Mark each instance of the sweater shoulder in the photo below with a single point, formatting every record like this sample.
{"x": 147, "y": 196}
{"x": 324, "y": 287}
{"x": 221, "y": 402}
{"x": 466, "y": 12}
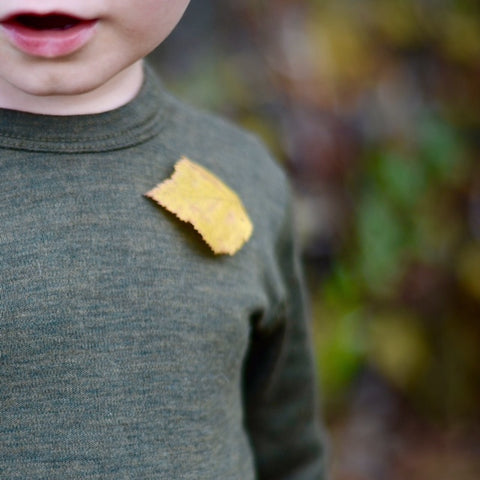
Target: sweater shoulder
{"x": 204, "y": 132}
{"x": 235, "y": 155}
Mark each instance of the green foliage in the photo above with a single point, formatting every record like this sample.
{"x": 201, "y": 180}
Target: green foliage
{"x": 380, "y": 243}
{"x": 406, "y": 216}
{"x": 340, "y": 342}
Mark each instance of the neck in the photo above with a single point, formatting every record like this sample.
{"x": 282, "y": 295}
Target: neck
{"x": 114, "y": 93}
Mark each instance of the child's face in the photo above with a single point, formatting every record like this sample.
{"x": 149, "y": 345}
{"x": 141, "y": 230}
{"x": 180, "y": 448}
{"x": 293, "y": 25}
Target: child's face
{"x": 69, "y": 47}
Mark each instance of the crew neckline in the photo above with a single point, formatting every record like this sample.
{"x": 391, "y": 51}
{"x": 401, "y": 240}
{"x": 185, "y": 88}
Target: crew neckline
{"x": 131, "y": 124}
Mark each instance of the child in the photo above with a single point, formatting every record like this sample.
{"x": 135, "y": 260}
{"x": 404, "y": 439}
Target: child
{"x": 128, "y": 350}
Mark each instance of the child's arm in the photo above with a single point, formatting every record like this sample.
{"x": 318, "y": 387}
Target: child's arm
{"x": 280, "y": 390}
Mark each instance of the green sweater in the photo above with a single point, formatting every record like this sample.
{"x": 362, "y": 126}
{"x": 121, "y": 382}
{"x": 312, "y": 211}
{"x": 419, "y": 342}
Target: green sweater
{"x": 127, "y": 349}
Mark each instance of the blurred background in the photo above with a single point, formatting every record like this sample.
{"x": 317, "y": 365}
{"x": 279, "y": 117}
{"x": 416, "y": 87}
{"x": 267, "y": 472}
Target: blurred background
{"x": 373, "y": 108}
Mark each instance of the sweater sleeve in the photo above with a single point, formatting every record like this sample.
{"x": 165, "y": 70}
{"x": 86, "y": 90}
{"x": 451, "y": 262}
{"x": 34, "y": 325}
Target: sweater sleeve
{"x": 281, "y": 411}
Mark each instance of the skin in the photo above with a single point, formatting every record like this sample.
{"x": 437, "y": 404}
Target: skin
{"x": 103, "y": 74}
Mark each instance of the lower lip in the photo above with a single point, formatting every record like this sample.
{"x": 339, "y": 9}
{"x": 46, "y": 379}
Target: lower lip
{"x": 50, "y": 43}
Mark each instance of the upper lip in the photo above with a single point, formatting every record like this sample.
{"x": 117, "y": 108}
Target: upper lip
{"x": 12, "y": 17}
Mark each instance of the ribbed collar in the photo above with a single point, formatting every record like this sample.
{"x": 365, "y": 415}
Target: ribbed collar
{"x": 131, "y": 124}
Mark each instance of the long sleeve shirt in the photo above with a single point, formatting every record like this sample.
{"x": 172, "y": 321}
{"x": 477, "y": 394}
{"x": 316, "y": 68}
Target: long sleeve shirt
{"x": 127, "y": 349}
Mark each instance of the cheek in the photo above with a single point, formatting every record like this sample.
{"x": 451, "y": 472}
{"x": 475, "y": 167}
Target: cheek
{"x": 151, "y": 21}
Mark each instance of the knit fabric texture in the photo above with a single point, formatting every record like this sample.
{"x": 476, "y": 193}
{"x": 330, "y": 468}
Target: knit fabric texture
{"x": 127, "y": 349}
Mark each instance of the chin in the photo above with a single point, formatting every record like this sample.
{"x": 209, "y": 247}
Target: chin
{"x": 69, "y": 88}
{"x": 60, "y": 86}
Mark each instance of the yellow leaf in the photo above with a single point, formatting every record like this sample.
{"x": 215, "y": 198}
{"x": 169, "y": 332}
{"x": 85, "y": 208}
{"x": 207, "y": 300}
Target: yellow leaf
{"x": 197, "y": 196}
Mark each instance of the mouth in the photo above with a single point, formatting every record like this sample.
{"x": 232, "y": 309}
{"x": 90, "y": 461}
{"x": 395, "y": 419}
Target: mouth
{"x": 48, "y": 35}
{"x": 53, "y": 21}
